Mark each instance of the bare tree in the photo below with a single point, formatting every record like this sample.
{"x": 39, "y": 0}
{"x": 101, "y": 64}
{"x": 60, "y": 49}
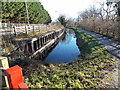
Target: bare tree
{"x": 101, "y": 20}
{"x": 118, "y": 21}
{"x": 106, "y": 10}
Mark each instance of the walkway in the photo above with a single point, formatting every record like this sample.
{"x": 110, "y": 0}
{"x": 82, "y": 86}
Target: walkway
{"x": 113, "y": 48}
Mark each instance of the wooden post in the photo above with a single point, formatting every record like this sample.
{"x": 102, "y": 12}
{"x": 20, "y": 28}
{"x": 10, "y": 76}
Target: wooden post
{"x": 14, "y": 28}
{"x": 35, "y": 45}
{"x": 29, "y": 47}
{"x": 26, "y": 29}
{"x": 3, "y": 78}
{"x": 42, "y": 41}
{"x": 33, "y": 29}
{"x": 119, "y": 21}
{"x": 119, "y": 32}
{"x": 32, "y": 45}
{"x": 39, "y": 42}
{"x": 39, "y": 28}
{"x": 46, "y": 27}
{"x": 0, "y": 79}
{"x": 4, "y": 62}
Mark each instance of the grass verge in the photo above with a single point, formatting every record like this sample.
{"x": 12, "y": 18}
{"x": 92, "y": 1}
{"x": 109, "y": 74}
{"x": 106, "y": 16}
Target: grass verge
{"x": 86, "y": 72}
{"x": 24, "y": 36}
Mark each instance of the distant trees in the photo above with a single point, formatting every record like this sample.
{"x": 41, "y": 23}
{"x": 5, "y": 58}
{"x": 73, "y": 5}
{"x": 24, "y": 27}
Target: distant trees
{"x": 103, "y": 20}
{"x": 118, "y": 8}
{"x": 62, "y": 20}
{"x": 71, "y": 22}
{"x": 118, "y": 20}
{"x": 15, "y": 12}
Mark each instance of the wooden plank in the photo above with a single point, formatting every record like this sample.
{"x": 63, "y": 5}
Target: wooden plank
{"x": 48, "y": 44}
{"x": 3, "y": 65}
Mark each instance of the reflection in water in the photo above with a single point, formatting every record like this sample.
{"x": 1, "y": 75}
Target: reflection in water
{"x": 66, "y": 51}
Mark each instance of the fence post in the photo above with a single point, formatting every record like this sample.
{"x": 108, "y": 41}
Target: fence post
{"x": 0, "y": 79}
{"x": 119, "y": 21}
{"x": 26, "y": 29}
{"x": 46, "y": 27}
{"x": 33, "y": 29}
{"x": 14, "y": 28}
{"x": 39, "y": 28}
{"x": 3, "y": 78}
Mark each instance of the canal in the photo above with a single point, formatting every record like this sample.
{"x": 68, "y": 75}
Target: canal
{"x": 66, "y": 50}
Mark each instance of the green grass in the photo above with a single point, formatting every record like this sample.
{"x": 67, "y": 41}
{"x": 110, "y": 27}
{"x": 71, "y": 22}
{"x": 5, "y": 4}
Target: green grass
{"x": 24, "y": 36}
{"x": 86, "y": 72}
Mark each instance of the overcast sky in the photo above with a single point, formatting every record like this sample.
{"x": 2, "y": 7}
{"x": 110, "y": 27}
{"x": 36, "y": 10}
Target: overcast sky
{"x": 70, "y": 8}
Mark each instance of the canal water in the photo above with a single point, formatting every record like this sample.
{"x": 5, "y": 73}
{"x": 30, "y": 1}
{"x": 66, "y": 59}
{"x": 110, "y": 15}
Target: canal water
{"x": 66, "y": 50}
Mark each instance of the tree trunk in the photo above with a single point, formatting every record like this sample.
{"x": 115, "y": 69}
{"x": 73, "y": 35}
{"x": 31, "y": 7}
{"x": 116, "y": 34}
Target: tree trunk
{"x": 119, "y": 21}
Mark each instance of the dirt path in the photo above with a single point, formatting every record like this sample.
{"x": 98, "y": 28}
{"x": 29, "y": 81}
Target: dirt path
{"x": 113, "y": 48}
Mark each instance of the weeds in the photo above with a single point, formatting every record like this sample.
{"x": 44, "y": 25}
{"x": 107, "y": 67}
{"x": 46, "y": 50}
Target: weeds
{"x": 86, "y": 72}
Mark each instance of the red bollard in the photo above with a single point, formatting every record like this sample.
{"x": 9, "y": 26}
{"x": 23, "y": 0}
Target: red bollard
{"x": 15, "y": 78}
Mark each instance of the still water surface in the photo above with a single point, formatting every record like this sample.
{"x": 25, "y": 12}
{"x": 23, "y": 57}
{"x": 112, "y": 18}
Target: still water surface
{"x": 66, "y": 50}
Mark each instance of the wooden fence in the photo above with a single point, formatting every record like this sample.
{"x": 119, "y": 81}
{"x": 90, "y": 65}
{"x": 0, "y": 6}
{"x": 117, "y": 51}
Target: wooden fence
{"x": 27, "y": 28}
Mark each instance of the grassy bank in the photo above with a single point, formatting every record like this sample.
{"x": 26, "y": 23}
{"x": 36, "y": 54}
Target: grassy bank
{"x": 87, "y": 72}
{"x": 24, "y": 36}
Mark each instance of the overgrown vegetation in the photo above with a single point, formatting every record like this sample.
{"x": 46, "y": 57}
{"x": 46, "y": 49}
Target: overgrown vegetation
{"x": 86, "y": 72}
{"x": 104, "y": 20}
{"x": 62, "y": 20}
{"x": 15, "y": 12}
